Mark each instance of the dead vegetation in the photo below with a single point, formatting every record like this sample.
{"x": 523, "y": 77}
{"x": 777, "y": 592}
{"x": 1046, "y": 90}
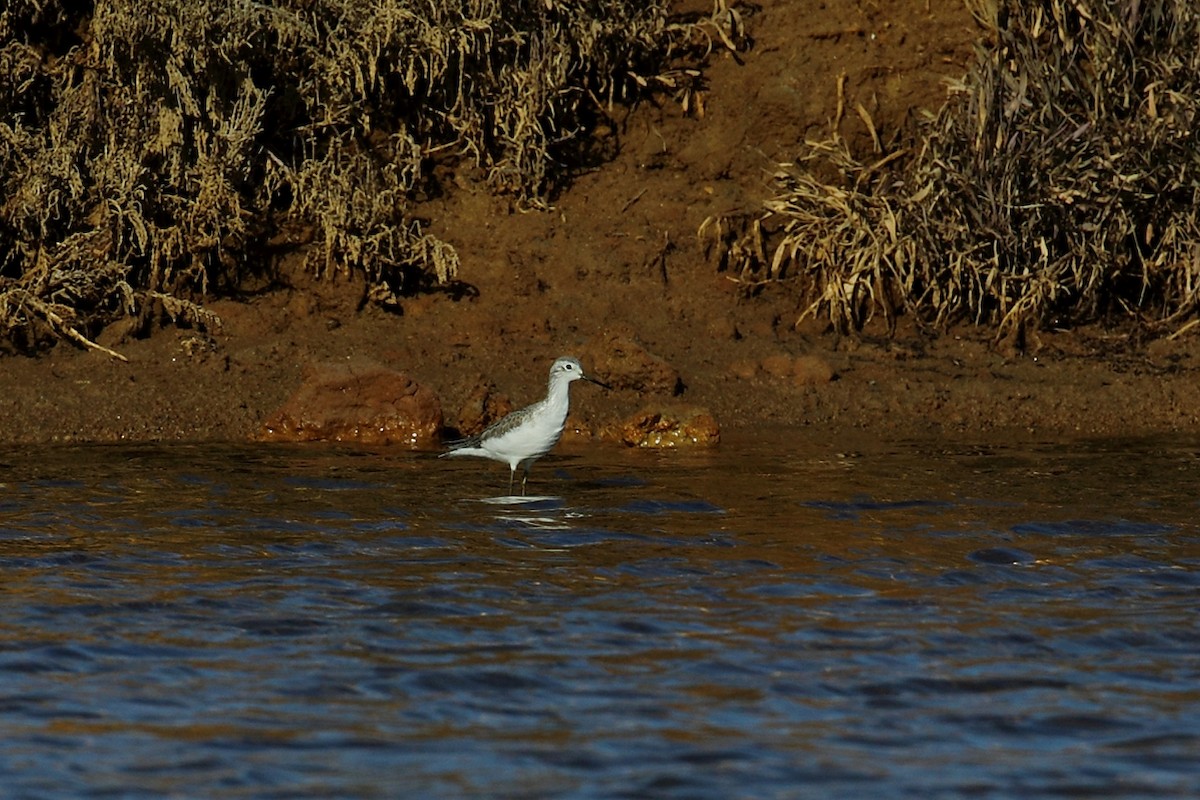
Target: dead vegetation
{"x": 154, "y": 153}
{"x": 1058, "y": 185}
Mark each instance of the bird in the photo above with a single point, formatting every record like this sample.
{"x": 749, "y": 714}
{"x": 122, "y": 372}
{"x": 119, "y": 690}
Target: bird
{"x": 527, "y": 434}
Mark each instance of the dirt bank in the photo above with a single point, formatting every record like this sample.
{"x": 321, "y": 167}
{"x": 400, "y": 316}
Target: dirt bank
{"x": 617, "y": 255}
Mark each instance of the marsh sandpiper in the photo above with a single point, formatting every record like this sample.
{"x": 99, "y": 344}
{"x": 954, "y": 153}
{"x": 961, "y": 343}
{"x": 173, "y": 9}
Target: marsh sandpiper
{"x": 528, "y": 433}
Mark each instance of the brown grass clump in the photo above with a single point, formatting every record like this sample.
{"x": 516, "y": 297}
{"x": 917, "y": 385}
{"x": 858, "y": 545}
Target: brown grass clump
{"x": 1059, "y": 184}
{"x": 153, "y": 153}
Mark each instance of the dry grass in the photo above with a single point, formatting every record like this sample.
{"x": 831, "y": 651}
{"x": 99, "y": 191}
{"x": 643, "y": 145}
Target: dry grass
{"x": 163, "y": 150}
{"x": 1059, "y": 184}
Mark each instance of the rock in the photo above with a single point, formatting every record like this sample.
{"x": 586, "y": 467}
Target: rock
{"x": 577, "y": 430}
{"x": 744, "y": 369}
{"x": 812, "y": 371}
{"x": 481, "y": 408}
{"x": 365, "y": 403}
{"x": 672, "y": 426}
{"x": 723, "y": 328}
{"x": 779, "y": 365}
{"x": 802, "y": 370}
{"x": 619, "y": 360}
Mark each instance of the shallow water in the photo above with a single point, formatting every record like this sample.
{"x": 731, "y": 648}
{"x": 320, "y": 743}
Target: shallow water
{"x": 774, "y": 619}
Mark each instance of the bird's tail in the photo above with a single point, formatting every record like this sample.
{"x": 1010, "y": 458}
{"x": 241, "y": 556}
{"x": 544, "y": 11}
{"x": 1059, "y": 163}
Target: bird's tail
{"x": 461, "y": 447}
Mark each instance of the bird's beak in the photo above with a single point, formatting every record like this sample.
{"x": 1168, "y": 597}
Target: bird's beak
{"x": 590, "y": 379}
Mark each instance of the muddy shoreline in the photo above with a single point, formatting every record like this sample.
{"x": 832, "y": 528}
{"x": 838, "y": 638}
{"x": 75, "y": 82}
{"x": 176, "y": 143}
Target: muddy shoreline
{"x": 958, "y": 387}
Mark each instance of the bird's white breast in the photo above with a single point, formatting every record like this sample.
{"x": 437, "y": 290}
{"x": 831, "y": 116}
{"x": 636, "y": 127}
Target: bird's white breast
{"x": 539, "y": 429}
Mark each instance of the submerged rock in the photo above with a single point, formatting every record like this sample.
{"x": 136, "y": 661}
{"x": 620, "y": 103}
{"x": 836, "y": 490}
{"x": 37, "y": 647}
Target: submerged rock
{"x": 671, "y": 426}
{"x": 365, "y": 403}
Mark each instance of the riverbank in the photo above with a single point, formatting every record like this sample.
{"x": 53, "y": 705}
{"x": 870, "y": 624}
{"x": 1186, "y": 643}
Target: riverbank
{"x": 616, "y": 263}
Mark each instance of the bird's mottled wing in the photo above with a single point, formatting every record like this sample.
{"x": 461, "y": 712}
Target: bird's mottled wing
{"x": 496, "y": 429}
{"x": 505, "y": 423}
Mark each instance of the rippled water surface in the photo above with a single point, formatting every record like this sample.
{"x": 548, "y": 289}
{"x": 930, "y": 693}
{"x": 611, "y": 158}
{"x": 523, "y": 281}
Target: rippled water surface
{"x": 775, "y": 619}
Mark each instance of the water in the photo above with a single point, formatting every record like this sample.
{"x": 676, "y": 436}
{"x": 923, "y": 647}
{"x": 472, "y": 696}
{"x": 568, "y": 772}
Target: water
{"x": 775, "y": 619}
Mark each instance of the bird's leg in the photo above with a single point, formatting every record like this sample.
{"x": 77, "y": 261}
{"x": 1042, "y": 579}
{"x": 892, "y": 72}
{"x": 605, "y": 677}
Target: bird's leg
{"x": 524, "y": 480}
{"x": 511, "y": 474}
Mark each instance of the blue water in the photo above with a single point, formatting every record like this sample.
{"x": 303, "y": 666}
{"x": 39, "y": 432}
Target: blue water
{"x": 775, "y": 619}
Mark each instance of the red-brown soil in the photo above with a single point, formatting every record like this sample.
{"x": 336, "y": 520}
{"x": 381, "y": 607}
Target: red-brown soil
{"x": 617, "y": 257}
